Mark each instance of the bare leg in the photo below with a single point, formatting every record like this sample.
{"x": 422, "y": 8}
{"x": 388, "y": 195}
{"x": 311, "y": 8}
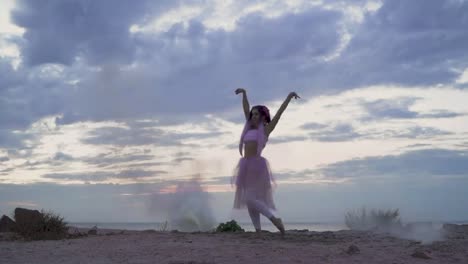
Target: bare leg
{"x": 255, "y": 216}
{"x": 279, "y": 224}
{"x": 259, "y": 207}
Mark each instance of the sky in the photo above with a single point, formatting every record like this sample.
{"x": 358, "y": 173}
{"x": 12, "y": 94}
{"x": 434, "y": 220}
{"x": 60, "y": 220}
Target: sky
{"x": 106, "y": 107}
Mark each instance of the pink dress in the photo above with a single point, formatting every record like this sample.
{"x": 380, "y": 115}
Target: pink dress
{"x": 252, "y": 175}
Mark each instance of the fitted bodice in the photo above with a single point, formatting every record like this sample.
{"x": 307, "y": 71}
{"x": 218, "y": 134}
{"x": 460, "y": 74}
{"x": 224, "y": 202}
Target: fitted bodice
{"x": 251, "y": 135}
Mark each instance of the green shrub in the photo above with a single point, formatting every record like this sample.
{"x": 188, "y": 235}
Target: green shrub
{"x": 230, "y": 226}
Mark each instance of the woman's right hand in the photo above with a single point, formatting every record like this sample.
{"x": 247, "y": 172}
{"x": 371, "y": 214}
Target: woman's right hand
{"x": 240, "y": 90}
{"x": 293, "y": 95}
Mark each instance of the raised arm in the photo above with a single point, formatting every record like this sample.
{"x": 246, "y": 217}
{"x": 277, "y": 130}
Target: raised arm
{"x": 271, "y": 126}
{"x": 245, "y": 102}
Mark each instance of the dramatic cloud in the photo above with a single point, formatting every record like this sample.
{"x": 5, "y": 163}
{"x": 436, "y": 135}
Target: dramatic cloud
{"x": 407, "y": 42}
{"x": 59, "y": 32}
{"x": 103, "y": 176}
{"x": 260, "y": 51}
{"x": 400, "y": 109}
{"x": 125, "y": 91}
{"x": 340, "y": 132}
{"x": 418, "y": 164}
{"x": 142, "y": 136}
{"x": 347, "y": 132}
{"x": 279, "y": 140}
{"x": 108, "y": 159}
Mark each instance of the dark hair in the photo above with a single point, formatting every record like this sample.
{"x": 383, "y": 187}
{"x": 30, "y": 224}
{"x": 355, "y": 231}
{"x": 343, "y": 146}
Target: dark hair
{"x": 263, "y": 110}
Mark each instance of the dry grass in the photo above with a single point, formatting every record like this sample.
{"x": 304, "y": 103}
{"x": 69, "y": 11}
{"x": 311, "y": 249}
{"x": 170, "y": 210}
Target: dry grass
{"x": 377, "y": 220}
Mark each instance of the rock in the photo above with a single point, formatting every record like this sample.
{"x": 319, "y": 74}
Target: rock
{"x": 420, "y": 254}
{"x": 93, "y": 231}
{"x": 353, "y": 249}
{"x": 298, "y": 230}
{"x": 7, "y": 224}
{"x": 28, "y": 221}
{"x": 77, "y": 234}
{"x": 455, "y": 228}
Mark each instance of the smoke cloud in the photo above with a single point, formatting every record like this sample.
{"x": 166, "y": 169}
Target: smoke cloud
{"x": 187, "y": 206}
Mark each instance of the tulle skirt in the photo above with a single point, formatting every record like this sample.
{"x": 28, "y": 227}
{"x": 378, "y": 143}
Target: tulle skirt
{"x": 252, "y": 176}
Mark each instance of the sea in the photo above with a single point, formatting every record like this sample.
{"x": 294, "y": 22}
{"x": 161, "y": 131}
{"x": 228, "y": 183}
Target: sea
{"x": 318, "y": 227}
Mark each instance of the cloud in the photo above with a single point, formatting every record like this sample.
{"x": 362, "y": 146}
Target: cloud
{"x": 62, "y": 156}
{"x": 120, "y": 136}
{"x": 60, "y": 32}
{"x": 399, "y": 108}
{"x": 111, "y": 159}
{"x": 137, "y": 136}
{"x": 406, "y": 43}
{"x": 286, "y": 139}
{"x": 261, "y": 45}
{"x": 417, "y": 164}
{"x": 81, "y": 29}
{"x": 412, "y": 132}
{"x": 11, "y": 140}
{"x": 39, "y": 92}
{"x": 334, "y": 133}
{"x": 110, "y": 73}
{"x": 103, "y": 176}
{"x": 337, "y": 132}
{"x": 312, "y": 126}
{"x": 8, "y": 76}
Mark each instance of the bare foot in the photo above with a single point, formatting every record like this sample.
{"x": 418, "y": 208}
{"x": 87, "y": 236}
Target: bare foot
{"x": 279, "y": 224}
{"x": 258, "y": 233}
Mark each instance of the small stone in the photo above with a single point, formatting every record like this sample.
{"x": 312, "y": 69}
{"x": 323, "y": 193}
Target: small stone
{"x": 93, "y": 231}
{"x": 420, "y": 254}
{"x": 353, "y": 249}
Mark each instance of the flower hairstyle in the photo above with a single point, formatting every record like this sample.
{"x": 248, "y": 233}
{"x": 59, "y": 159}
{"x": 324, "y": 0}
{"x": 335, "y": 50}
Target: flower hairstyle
{"x": 261, "y": 138}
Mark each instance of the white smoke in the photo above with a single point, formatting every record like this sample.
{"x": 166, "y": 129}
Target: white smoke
{"x": 190, "y": 209}
{"x": 388, "y": 221}
{"x": 186, "y": 207}
{"x": 424, "y": 232}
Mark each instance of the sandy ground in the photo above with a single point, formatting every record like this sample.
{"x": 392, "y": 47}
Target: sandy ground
{"x": 114, "y": 246}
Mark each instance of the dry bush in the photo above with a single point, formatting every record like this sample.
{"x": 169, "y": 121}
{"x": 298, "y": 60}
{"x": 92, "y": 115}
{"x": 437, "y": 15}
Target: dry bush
{"x": 49, "y": 226}
{"x": 377, "y": 220}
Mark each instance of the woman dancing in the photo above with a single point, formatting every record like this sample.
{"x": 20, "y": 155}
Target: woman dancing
{"x": 253, "y": 176}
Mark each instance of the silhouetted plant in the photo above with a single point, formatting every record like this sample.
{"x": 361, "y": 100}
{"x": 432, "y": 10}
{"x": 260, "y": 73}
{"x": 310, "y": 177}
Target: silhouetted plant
{"x": 163, "y": 226}
{"x": 49, "y": 226}
{"x": 379, "y": 220}
{"x": 230, "y": 226}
